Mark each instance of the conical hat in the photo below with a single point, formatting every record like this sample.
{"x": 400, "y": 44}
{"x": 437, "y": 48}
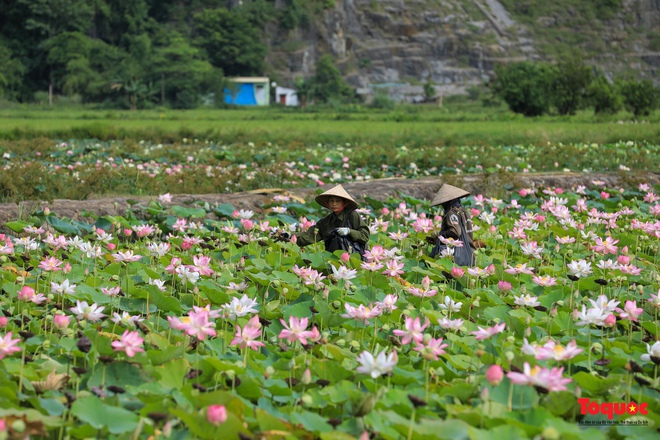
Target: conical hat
{"x": 337, "y": 191}
{"x": 448, "y": 192}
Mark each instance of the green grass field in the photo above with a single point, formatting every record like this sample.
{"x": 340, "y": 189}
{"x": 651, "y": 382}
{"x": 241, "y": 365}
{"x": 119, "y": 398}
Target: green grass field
{"x": 412, "y": 126}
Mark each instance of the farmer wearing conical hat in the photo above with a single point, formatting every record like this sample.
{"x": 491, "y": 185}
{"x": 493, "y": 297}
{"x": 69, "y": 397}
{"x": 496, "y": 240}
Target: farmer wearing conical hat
{"x": 456, "y": 224}
{"x": 343, "y": 221}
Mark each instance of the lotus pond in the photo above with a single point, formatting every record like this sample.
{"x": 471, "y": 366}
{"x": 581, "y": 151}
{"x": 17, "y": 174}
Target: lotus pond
{"x": 193, "y": 322}
{"x": 83, "y": 169}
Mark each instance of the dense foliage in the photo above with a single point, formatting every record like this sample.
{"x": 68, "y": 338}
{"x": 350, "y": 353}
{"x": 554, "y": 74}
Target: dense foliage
{"x": 534, "y": 89}
{"x": 134, "y": 53}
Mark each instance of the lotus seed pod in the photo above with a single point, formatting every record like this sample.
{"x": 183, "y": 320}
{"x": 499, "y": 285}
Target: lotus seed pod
{"x": 46, "y": 344}
{"x": 528, "y": 320}
{"x": 325, "y": 334}
{"x": 476, "y": 302}
{"x": 510, "y": 339}
{"x": 341, "y": 342}
{"x": 355, "y": 345}
{"x": 3, "y": 258}
{"x": 18, "y": 425}
{"x": 336, "y": 304}
{"x": 230, "y": 374}
{"x": 276, "y": 283}
{"x": 597, "y": 348}
{"x": 269, "y": 371}
{"x": 560, "y": 303}
{"x": 386, "y": 327}
{"x": 427, "y": 337}
{"x": 550, "y": 433}
{"x": 439, "y": 372}
{"x": 307, "y": 399}
{"x": 509, "y": 356}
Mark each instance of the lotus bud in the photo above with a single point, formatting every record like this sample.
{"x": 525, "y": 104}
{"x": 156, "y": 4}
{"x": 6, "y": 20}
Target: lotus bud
{"x": 355, "y": 345}
{"x": 306, "y": 377}
{"x": 509, "y": 356}
{"x": 3, "y": 321}
{"x": 426, "y": 283}
{"x": 553, "y": 312}
{"x": 216, "y": 414}
{"x": 610, "y": 321}
{"x": 597, "y": 348}
{"x": 484, "y": 394}
{"x": 269, "y": 371}
{"x": 307, "y": 399}
{"x": 494, "y": 375}
{"x": 528, "y": 332}
{"x": 427, "y": 338}
{"x": 276, "y": 283}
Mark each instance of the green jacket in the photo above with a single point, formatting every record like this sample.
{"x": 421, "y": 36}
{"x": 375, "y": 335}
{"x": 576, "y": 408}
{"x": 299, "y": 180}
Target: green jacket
{"x": 321, "y": 231}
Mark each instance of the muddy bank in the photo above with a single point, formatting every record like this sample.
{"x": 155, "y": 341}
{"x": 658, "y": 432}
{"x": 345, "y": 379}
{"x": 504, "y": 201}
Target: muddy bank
{"x": 493, "y": 185}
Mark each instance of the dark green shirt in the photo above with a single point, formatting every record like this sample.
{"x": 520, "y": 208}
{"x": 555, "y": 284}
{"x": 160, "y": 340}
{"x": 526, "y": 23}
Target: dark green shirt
{"x": 321, "y": 231}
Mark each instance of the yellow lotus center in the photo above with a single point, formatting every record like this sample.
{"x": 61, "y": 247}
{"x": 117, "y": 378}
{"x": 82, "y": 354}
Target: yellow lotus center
{"x": 528, "y": 298}
{"x": 559, "y": 349}
{"x": 185, "y": 319}
{"x": 534, "y": 371}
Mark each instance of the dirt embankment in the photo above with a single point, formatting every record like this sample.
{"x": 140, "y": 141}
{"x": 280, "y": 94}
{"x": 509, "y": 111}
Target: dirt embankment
{"x": 493, "y": 185}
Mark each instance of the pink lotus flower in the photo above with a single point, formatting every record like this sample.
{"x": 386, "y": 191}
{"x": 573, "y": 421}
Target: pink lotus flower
{"x": 130, "y": 343}
{"x": 450, "y": 324}
{"x": 545, "y": 280}
{"x": 504, "y": 286}
{"x": 361, "y": 313}
{"x": 388, "y": 304}
{"x": 8, "y": 345}
{"x": 50, "y": 264}
{"x": 216, "y": 414}
{"x": 393, "y": 268}
{"x": 482, "y": 334}
{"x": 126, "y": 257}
{"x": 248, "y": 335}
{"x": 457, "y": 272}
{"x": 296, "y": 330}
{"x": 518, "y": 269}
{"x": 432, "y": 349}
{"x": 414, "y": 331}
{"x": 199, "y": 325}
{"x": 90, "y": 312}
{"x": 630, "y": 311}
{"x": 552, "y": 350}
{"x": 551, "y": 380}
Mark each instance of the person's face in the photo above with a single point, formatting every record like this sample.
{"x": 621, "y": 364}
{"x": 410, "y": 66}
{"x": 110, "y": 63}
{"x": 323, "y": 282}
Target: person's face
{"x": 336, "y": 204}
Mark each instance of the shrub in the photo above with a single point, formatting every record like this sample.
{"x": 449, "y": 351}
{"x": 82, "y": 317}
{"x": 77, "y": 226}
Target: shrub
{"x": 525, "y": 87}
{"x": 639, "y": 96}
{"x": 603, "y": 96}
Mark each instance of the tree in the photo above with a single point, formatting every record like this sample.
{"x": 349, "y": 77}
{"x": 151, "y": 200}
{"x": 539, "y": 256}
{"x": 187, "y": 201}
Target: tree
{"x": 303, "y": 91}
{"x": 11, "y": 74}
{"x": 603, "y": 95}
{"x": 569, "y": 84}
{"x": 185, "y": 74}
{"x": 328, "y": 83}
{"x": 525, "y": 87}
{"x": 231, "y": 42}
{"x": 429, "y": 92}
{"x": 639, "y": 96}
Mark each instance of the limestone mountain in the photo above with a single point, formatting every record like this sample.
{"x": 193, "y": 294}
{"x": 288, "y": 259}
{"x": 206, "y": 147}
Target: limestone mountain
{"x": 454, "y": 44}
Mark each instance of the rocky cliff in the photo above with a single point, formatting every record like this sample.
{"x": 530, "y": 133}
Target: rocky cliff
{"x": 455, "y": 44}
